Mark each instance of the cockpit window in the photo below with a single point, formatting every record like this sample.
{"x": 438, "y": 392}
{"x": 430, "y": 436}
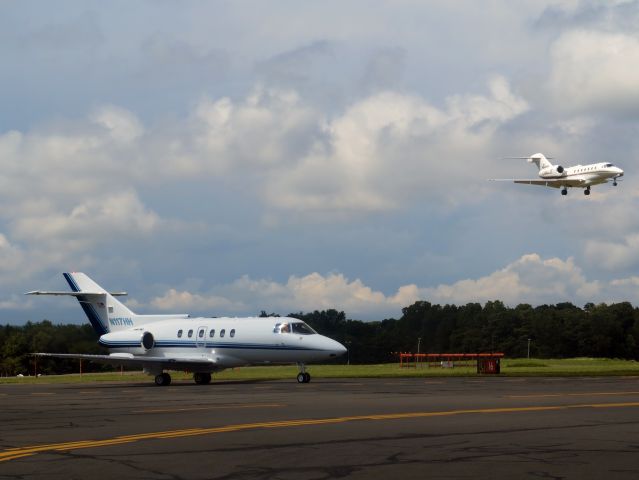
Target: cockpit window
{"x": 609, "y": 165}
{"x": 302, "y": 329}
{"x": 299, "y": 328}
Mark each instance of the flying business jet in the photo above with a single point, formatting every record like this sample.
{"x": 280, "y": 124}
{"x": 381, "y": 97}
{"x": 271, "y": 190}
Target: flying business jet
{"x": 200, "y": 345}
{"x": 556, "y": 176}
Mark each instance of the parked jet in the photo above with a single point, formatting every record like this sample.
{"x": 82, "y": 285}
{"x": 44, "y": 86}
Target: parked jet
{"x": 200, "y": 345}
{"x": 556, "y": 176}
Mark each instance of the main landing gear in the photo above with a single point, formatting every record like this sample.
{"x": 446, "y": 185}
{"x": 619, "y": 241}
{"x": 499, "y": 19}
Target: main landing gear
{"x": 303, "y": 376}
{"x": 202, "y": 378}
{"x": 163, "y": 380}
{"x": 587, "y": 191}
{"x": 564, "y": 191}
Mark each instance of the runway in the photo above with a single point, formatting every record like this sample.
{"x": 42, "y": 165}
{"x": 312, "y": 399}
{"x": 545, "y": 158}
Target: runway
{"x": 479, "y": 427}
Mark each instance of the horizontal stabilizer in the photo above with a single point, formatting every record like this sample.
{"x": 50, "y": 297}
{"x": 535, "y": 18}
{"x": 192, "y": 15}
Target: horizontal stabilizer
{"x": 76, "y": 294}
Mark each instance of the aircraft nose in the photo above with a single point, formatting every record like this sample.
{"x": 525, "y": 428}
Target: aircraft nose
{"x": 337, "y": 349}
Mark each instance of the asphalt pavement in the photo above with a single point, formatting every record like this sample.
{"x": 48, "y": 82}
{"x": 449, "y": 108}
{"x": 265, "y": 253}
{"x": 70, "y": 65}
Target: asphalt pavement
{"x": 475, "y": 428}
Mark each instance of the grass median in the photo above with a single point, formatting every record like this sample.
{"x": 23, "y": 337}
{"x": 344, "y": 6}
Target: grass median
{"x": 509, "y": 367}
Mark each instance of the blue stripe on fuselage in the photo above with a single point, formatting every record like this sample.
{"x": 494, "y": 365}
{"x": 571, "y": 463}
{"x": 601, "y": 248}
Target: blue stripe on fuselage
{"x": 171, "y": 344}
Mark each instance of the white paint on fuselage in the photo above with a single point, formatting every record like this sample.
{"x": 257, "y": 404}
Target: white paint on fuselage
{"x": 592, "y": 174}
{"x": 245, "y": 341}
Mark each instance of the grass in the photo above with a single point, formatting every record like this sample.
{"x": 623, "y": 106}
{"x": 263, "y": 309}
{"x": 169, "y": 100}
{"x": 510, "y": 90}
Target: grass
{"x": 509, "y": 367}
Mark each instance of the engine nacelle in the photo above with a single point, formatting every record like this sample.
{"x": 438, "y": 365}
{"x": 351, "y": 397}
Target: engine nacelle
{"x": 134, "y": 341}
{"x": 148, "y": 342}
{"x": 552, "y": 172}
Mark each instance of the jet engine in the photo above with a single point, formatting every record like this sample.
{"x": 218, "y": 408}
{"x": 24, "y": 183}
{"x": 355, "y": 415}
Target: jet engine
{"x": 133, "y": 341}
{"x": 554, "y": 171}
{"x": 148, "y": 342}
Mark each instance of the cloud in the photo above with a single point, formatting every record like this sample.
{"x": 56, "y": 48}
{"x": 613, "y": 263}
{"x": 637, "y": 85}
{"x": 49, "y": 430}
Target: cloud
{"x": 380, "y": 152}
{"x": 595, "y": 71}
{"x": 530, "y": 279}
{"x": 122, "y": 126}
{"x": 90, "y": 222}
{"x": 390, "y": 147}
{"x": 174, "y": 300}
{"x": 614, "y": 255}
{"x": 307, "y": 293}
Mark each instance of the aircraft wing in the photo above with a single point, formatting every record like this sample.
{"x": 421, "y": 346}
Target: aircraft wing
{"x": 130, "y": 360}
{"x": 554, "y": 183}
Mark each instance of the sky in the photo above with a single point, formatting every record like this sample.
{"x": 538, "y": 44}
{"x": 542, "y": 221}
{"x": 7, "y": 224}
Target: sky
{"x": 228, "y": 157}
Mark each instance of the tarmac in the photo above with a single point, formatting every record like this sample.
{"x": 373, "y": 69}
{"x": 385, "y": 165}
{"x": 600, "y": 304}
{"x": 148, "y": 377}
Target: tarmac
{"x": 476, "y": 428}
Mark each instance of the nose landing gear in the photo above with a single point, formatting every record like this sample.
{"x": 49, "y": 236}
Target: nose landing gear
{"x": 564, "y": 191}
{"x": 303, "y": 376}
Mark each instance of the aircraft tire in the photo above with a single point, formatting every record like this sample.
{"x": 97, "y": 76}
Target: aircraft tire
{"x": 307, "y": 377}
{"x": 301, "y": 377}
{"x": 202, "y": 378}
{"x": 564, "y": 192}
{"x": 163, "y": 379}
{"x": 587, "y": 191}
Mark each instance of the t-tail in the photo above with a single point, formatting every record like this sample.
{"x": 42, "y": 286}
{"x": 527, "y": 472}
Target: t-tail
{"x": 104, "y": 311}
{"x": 540, "y": 160}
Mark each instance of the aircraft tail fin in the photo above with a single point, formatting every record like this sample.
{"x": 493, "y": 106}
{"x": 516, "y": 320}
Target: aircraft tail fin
{"x": 103, "y": 310}
{"x": 540, "y": 160}
{"x": 105, "y": 313}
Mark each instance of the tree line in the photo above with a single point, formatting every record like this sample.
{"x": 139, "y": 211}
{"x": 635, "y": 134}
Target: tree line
{"x": 549, "y": 331}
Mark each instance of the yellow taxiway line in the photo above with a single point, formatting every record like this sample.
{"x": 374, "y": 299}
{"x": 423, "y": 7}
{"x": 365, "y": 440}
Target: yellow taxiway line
{"x": 570, "y": 394}
{"x": 209, "y": 407}
{"x": 21, "y": 452}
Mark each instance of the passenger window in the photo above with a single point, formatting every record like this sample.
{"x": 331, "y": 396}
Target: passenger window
{"x": 212, "y": 333}
{"x": 276, "y": 329}
{"x": 201, "y": 333}
{"x": 190, "y": 333}
{"x": 222, "y": 332}
{"x": 232, "y": 333}
{"x": 179, "y": 333}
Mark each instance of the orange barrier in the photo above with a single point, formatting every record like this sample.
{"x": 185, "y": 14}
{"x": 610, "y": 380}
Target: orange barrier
{"x": 486, "y": 362}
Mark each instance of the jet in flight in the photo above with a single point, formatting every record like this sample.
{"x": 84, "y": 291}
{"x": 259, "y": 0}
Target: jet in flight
{"x": 556, "y": 176}
{"x": 201, "y": 345}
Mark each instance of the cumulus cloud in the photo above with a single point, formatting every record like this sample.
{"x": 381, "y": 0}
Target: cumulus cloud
{"x": 530, "y": 279}
{"x": 614, "y": 255}
{"x": 390, "y": 147}
{"x": 307, "y": 293}
{"x": 90, "y": 222}
{"x": 122, "y": 126}
{"x": 175, "y": 300}
{"x": 595, "y": 71}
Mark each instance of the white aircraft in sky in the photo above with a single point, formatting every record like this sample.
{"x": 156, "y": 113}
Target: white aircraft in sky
{"x": 556, "y": 176}
{"x": 200, "y": 345}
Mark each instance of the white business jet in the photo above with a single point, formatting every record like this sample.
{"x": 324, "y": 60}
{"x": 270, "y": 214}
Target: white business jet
{"x": 200, "y": 345}
{"x": 556, "y": 176}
